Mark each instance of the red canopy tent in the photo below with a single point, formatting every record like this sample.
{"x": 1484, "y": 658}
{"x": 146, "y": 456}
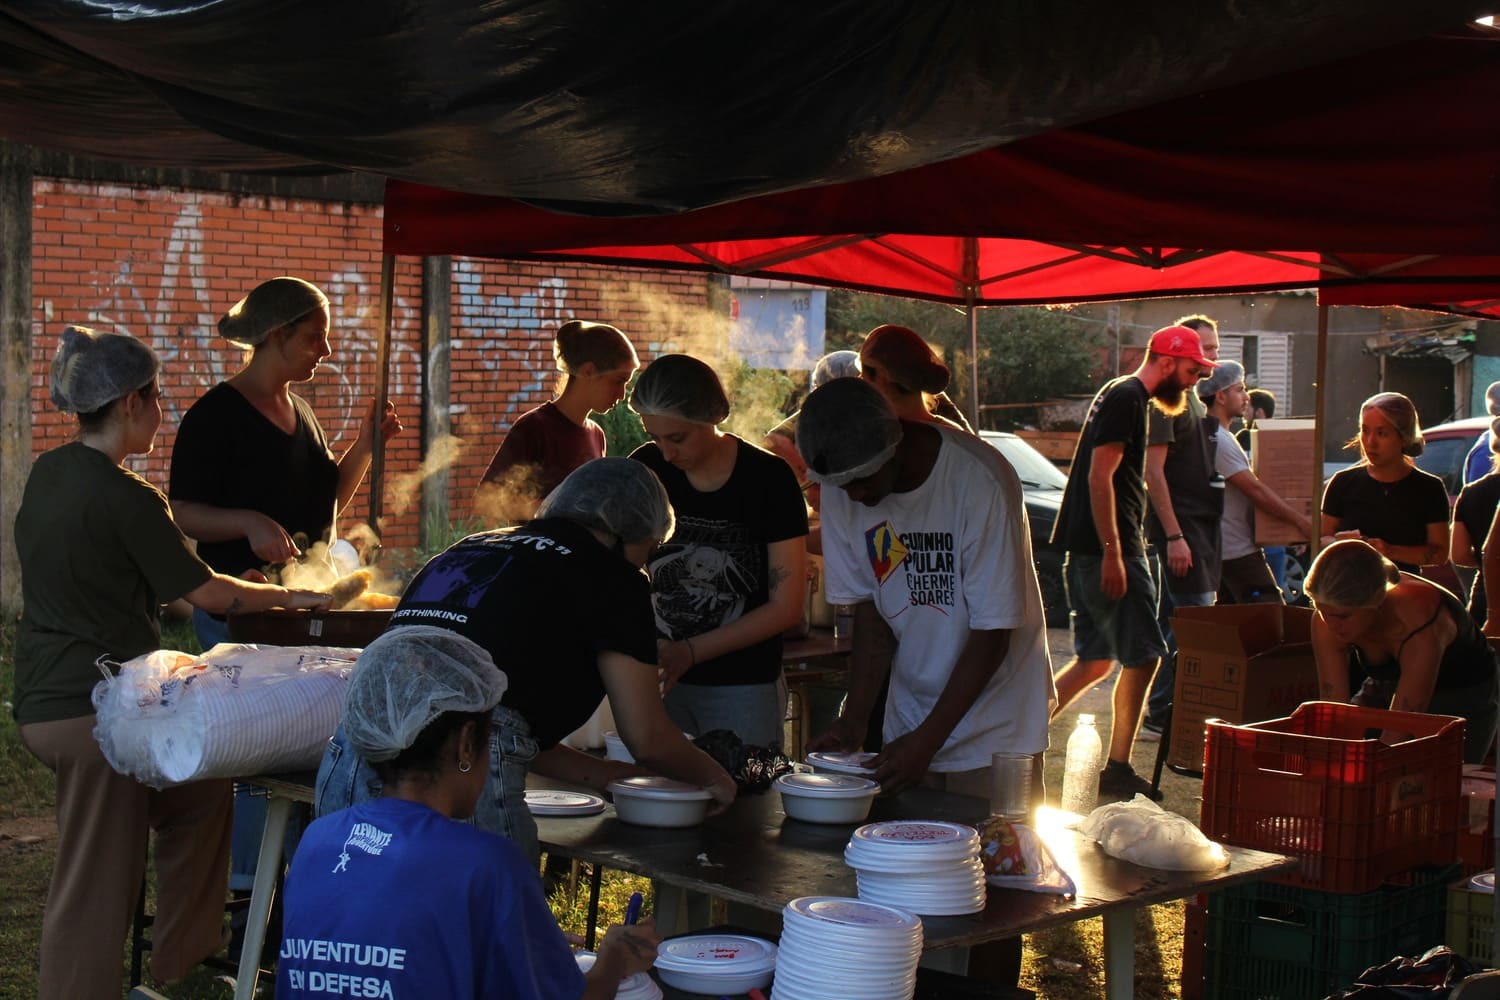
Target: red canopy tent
{"x": 1373, "y": 178}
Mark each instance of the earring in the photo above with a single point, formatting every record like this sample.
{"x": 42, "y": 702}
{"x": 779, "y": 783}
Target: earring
{"x": 464, "y": 767}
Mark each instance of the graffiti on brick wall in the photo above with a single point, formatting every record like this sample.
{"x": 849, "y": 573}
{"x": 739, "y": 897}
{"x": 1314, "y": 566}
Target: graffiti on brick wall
{"x": 170, "y": 302}
{"x": 509, "y": 333}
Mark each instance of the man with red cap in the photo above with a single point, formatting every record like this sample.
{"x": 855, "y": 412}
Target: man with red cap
{"x": 1101, "y": 527}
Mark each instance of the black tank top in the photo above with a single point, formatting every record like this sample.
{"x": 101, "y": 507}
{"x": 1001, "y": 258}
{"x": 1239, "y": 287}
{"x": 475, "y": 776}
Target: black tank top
{"x": 1466, "y": 661}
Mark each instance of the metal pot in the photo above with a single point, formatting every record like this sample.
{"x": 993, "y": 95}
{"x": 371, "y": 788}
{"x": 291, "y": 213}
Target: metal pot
{"x": 355, "y": 629}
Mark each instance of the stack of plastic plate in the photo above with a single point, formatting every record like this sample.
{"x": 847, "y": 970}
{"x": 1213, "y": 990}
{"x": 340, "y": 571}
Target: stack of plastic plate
{"x": 636, "y": 987}
{"x": 716, "y": 964}
{"x": 836, "y": 946}
{"x": 557, "y": 802}
{"x": 924, "y": 866}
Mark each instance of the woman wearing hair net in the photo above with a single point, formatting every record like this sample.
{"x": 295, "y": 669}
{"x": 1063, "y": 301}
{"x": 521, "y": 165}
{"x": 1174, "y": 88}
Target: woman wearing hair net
{"x": 251, "y": 466}
{"x": 1385, "y": 499}
{"x": 1395, "y": 640}
{"x": 99, "y": 555}
{"x": 910, "y": 374}
{"x": 545, "y": 444}
{"x": 471, "y": 921}
{"x": 732, "y": 578}
{"x": 562, "y": 605}
{"x": 252, "y": 469}
{"x": 781, "y": 440}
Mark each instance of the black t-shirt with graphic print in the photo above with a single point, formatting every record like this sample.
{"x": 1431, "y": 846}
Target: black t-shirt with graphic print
{"x": 714, "y": 567}
{"x": 545, "y": 599}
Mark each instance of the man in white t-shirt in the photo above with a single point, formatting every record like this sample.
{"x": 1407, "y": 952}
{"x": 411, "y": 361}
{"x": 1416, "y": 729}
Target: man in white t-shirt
{"x": 927, "y": 537}
{"x": 1245, "y": 577}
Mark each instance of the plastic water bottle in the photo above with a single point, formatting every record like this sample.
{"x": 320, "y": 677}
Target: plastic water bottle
{"x": 1080, "y": 789}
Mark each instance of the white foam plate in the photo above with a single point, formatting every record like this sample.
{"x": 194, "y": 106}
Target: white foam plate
{"x": 556, "y": 802}
{"x": 1483, "y": 882}
{"x": 714, "y": 953}
{"x": 857, "y": 763}
{"x": 917, "y": 838}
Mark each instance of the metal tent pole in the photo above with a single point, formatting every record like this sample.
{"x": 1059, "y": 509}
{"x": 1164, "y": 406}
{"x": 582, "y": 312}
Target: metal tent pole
{"x": 382, "y": 388}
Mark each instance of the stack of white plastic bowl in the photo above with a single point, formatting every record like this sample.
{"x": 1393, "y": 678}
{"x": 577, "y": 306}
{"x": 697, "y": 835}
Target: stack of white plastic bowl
{"x": 925, "y": 866}
{"x": 716, "y": 964}
{"x": 639, "y": 986}
{"x": 848, "y": 947}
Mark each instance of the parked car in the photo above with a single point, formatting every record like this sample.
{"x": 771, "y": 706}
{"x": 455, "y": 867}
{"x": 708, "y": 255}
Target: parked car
{"x": 1043, "y": 484}
{"x": 1447, "y": 445}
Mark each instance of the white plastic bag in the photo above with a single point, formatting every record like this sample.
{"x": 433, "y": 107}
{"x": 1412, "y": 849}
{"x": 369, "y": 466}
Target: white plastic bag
{"x": 1143, "y": 833}
{"x": 169, "y": 717}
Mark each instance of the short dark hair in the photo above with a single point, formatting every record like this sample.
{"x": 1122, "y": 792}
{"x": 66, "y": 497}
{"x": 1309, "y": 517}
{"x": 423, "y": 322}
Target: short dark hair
{"x": 1263, "y": 400}
{"x": 424, "y": 757}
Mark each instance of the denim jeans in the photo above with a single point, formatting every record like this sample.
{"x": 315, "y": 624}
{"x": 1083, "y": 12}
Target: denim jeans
{"x": 344, "y": 779}
{"x": 1162, "y": 688}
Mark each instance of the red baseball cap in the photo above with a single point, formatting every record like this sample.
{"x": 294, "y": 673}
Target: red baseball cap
{"x": 1179, "y": 342}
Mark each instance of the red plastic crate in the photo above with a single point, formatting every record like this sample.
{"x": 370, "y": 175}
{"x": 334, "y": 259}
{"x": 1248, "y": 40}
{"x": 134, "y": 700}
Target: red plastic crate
{"x": 1319, "y": 785}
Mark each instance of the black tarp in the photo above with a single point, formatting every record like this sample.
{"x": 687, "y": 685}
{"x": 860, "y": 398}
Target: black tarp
{"x": 617, "y": 108}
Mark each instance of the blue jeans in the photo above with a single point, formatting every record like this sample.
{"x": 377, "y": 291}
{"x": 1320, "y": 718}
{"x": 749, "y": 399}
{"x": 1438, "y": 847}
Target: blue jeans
{"x": 344, "y": 779}
{"x": 755, "y": 713}
{"x": 1163, "y": 686}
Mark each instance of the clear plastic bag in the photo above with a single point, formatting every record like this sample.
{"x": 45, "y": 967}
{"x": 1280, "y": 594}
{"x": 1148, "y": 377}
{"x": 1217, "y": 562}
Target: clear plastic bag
{"x": 168, "y": 717}
{"x": 1143, "y": 833}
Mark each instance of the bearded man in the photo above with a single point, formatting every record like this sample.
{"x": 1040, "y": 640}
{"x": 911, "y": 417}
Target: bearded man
{"x": 1101, "y": 527}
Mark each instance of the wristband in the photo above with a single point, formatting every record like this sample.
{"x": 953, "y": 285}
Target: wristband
{"x": 1175, "y": 538}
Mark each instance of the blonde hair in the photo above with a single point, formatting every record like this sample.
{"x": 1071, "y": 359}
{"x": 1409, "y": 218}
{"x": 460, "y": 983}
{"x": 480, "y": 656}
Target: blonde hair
{"x": 1351, "y": 574}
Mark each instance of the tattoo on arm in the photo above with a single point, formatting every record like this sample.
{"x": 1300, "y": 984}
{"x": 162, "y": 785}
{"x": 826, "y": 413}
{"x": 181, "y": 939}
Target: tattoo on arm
{"x": 778, "y": 576}
{"x": 234, "y": 608}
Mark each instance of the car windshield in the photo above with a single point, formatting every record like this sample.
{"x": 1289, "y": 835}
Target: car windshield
{"x": 1032, "y": 467}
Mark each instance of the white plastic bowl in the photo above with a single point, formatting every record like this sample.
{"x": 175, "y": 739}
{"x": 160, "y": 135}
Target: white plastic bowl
{"x": 716, "y": 964}
{"x": 831, "y": 762}
{"x": 655, "y": 801}
{"x": 826, "y": 798}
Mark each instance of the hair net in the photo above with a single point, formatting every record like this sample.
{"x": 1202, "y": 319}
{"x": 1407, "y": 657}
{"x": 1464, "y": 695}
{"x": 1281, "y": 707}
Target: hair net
{"x": 1351, "y": 574}
{"x": 617, "y": 495}
{"x": 675, "y": 385}
{"x": 847, "y": 430}
{"x": 839, "y": 364}
{"x": 905, "y": 358}
{"x": 92, "y": 369}
{"x": 408, "y": 677}
{"x": 1226, "y": 374}
{"x": 1402, "y": 413}
{"x": 269, "y": 305}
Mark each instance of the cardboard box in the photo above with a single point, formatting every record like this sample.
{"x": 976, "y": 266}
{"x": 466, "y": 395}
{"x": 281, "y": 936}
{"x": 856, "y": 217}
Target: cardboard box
{"x": 1239, "y": 663}
{"x": 1281, "y": 456}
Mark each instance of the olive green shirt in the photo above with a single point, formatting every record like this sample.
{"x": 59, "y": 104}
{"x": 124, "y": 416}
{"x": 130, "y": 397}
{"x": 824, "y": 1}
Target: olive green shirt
{"x": 99, "y": 555}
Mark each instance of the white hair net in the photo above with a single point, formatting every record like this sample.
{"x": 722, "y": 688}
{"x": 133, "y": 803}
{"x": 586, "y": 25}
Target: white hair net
{"x": 846, "y": 431}
{"x": 92, "y": 369}
{"x": 617, "y": 495}
{"x": 839, "y": 364}
{"x": 675, "y": 385}
{"x": 269, "y": 305}
{"x": 408, "y": 677}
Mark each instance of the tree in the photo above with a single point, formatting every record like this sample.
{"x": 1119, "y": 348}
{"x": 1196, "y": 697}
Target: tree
{"x": 1027, "y": 354}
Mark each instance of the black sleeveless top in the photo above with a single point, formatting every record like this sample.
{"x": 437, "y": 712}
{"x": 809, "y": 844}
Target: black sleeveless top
{"x": 1466, "y": 661}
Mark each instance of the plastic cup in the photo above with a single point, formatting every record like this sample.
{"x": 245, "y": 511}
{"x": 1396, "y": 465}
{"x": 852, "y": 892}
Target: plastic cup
{"x": 1010, "y": 785}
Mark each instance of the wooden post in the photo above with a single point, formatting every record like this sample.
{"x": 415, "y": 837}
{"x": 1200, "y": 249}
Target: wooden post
{"x": 15, "y": 349}
{"x": 437, "y": 326}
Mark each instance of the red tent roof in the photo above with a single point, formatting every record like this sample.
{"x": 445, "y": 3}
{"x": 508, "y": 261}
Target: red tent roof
{"x": 1380, "y": 168}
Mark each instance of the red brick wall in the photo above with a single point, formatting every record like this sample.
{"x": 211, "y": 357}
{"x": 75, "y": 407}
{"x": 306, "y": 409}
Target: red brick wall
{"x": 164, "y": 264}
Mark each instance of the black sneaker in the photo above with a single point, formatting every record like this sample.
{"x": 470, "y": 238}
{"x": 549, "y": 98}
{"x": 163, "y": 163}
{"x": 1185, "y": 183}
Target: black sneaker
{"x": 1120, "y": 782}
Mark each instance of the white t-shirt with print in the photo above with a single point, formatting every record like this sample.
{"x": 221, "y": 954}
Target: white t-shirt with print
{"x": 951, "y": 556}
{"x": 1237, "y": 529}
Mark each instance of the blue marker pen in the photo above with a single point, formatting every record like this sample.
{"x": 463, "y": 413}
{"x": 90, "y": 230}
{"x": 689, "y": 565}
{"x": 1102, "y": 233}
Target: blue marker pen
{"x": 633, "y": 908}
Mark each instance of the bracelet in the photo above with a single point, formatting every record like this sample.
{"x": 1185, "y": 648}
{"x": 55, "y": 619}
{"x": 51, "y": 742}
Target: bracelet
{"x": 691, "y": 653}
{"x": 1175, "y": 538}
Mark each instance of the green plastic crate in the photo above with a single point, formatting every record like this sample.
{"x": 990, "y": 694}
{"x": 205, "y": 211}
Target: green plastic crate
{"x": 1471, "y": 922}
{"x": 1269, "y": 941}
